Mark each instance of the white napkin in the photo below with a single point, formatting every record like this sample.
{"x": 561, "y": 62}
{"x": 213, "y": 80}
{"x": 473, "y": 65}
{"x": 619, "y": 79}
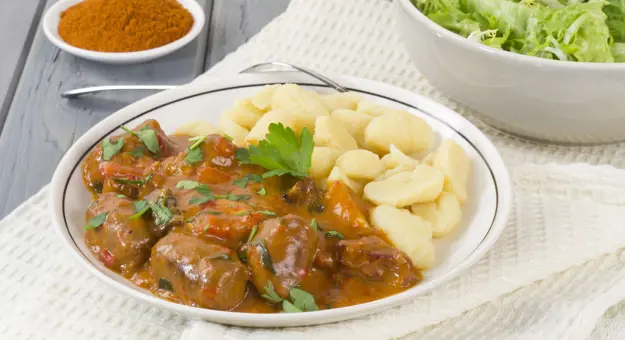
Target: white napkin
{"x": 563, "y": 217}
{"x": 45, "y": 294}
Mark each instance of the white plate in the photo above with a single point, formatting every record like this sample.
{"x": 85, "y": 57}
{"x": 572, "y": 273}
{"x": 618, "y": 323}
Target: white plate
{"x": 485, "y": 214}
{"x": 51, "y": 24}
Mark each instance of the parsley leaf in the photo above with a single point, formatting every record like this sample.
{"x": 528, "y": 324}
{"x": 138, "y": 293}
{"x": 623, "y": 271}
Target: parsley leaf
{"x": 242, "y": 213}
{"x": 233, "y": 197}
{"x": 187, "y": 184}
{"x": 162, "y": 214}
{"x": 334, "y": 233}
{"x": 288, "y": 307}
{"x": 221, "y": 257}
{"x": 226, "y": 136}
{"x": 120, "y": 196}
{"x": 141, "y": 207}
{"x": 303, "y": 300}
{"x": 271, "y": 294}
{"x": 265, "y": 258}
{"x": 194, "y": 156}
{"x": 314, "y": 224}
{"x": 242, "y": 182}
{"x": 200, "y": 200}
{"x": 133, "y": 181}
{"x": 262, "y": 191}
{"x": 252, "y": 234}
{"x": 281, "y": 152}
{"x": 96, "y": 221}
{"x": 110, "y": 149}
{"x": 147, "y": 136}
{"x": 138, "y": 151}
{"x": 267, "y": 212}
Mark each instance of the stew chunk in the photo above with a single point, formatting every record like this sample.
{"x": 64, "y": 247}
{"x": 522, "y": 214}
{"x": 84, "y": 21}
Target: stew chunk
{"x": 121, "y": 243}
{"x": 375, "y": 260}
{"x": 200, "y": 273}
{"x": 282, "y": 253}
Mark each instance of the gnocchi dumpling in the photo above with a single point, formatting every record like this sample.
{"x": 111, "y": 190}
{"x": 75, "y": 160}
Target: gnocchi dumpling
{"x": 372, "y": 109}
{"x": 408, "y": 232}
{"x": 444, "y": 214}
{"x": 360, "y": 164}
{"x": 345, "y": 100}
{"x": 429, "y": 159}
{"x": 403, "y": 189}
{"x": 396, "y": 158}
{"x": 454, "y": 163}
{"x": 196, "y": 128}
{"x": 244, "y": 113}
{"x": 394, "y": 171}
{"x": 262, "y": 99}
{"x": 407, "y": 132}
{"x": 331, "y": 133}
{"x": 354, "y": 122}
{"x": 260, "y": 130}
{"x": 323, "y": 160}
{"x": 337, "y": 175}
{"x": 227, "y": 127}
{"x": 303, "y": 105}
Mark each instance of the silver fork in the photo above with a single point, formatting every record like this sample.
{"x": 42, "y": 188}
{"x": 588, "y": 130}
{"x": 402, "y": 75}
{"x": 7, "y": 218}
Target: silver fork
{"x": 262, "y": 67}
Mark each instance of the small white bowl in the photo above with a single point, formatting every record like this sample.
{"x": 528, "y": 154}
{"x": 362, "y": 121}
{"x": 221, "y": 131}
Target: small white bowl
{"x": 53, "y": 16}
{"x": 548, "y": 100}
{"x": 484, "y": 214}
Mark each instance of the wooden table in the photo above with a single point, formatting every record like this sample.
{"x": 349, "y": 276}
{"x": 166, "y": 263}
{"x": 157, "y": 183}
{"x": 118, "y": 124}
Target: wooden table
{"x": 37, "y": 126}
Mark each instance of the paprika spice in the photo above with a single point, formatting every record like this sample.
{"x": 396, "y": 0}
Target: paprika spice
{"x": 124, "y": 25}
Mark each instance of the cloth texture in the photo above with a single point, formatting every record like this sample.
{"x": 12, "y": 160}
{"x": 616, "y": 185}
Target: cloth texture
{"x": 555, "y": 273}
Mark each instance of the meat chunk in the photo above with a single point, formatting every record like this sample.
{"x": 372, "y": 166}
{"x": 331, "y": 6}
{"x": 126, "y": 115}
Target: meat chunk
{"x": 227, "y": 229}
{"x": 120, "y": 243}
{"x": 282, "y": 252}
{"x": 375, "y": 260}
{"x": 306, "y": 193}
{"x": 200, "y": 273}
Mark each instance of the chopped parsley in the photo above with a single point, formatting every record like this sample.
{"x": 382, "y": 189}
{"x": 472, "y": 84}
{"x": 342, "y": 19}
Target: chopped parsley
{"x": 96, "y": 221}
{"x": 133, "y": 181}
{"x": 267, "y": 212}
{"x": 141, "y": 207}
{"x": 138, "y": 151}
{"x": 252, "y": 234}
{"x": 162, "y": 214}
{"x": 194, "y": 154}
{"x": 281, "y": 152}
{"x": 314, "y": 224}
{"x": 110, "y": 149}
{"x": 226, "y": 136}
{"x": 165, "y": 284}
{"x": 148, "y": 137}
{"x": 242, "y": 182}
{"x": 334, "y": 233}
{"x": 300, "y": 300}
{"x": 262, "y": 191}
{"x": 270, "y": 294}
{"x": 242, "y": 213}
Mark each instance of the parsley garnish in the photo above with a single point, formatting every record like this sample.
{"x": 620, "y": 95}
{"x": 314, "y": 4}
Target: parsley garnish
{"x": 267, "y": 212}
{"x": 262, "y": 191}
{"x": 281, "y": 152}
{"x": 242, "y": 213}
{"x": 141, "y": 207}
{"x": 133, "y": 181}
{"x": 206, "y": 227}
{"x": 162, "y": 214}
{"x": 207, "y": 194}
{"x": 301, "y": 300}
{"x": 194, "y": 154}
{"x": 270, "y": 293}
{"x": 221, "y": 257}
{"x": 120, "y": 196}
{"x": 110, "y": 149}
{"x": 242, "y": 182}
{"x": 187, "y": 184}
{"x": 138, "y": 151}
{"x": 233, "y": 197}
{"x": 165, "y": 284}
{"x": 147, "y": 136}
{"x": 334, "y": 233}
{"x": 96, "y": 221}
{"x": 226, "y": 136}
{"x": 252, "y": 234}
{"x": 264, "y": 256}
{"x": 314, "y": 224}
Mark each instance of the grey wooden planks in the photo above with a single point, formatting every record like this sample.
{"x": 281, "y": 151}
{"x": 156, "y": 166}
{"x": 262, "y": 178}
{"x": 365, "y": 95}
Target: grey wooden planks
{"x": 40, "y": 126}
{"x": 16, "y": 33}
{"x": 234, "y": 22}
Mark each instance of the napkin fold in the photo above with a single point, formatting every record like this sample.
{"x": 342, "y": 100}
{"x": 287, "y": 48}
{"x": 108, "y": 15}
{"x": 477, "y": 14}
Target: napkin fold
{"x": 563, "y": 216}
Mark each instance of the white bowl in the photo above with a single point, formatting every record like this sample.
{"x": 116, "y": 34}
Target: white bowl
{"x": 53, "y": 16}
{"x": 557, "y": 101}
{"x": 485, "y": 212}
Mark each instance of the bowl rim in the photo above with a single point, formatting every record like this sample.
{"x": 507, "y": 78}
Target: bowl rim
{"x": 442, "y": 113}
{"x": 441, "y": 31}
{"x": 51, "y": 32}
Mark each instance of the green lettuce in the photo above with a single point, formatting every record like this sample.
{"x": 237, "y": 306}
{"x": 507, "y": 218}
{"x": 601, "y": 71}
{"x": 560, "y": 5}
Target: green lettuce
{"x": 552, "y": 29}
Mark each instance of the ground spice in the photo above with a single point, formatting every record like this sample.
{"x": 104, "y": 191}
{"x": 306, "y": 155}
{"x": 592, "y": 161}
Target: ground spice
{"x": 124, "y": 25}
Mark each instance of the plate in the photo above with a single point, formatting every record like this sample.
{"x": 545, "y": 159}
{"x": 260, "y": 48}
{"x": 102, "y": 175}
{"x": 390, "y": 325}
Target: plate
{"x": 485, "y": 214}
{"x": 52, "y": 17}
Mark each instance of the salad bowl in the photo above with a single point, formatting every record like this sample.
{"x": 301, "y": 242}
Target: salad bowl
{"x": 556, "y": 101}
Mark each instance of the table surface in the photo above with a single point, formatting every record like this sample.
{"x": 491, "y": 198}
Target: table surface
{"x": 37, "y": 126}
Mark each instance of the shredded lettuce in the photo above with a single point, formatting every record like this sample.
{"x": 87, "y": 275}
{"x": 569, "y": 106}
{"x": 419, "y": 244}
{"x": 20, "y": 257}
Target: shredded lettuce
{"x": 570, "y": 30}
